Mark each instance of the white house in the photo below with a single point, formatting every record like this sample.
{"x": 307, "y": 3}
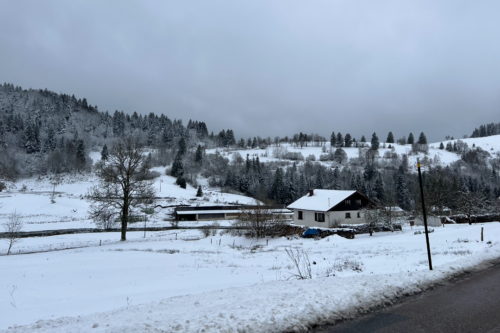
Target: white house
{"x": 329, "y": 208}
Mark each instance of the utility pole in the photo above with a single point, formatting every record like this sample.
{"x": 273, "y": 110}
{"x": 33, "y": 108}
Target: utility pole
{"x": 425, "y": 216}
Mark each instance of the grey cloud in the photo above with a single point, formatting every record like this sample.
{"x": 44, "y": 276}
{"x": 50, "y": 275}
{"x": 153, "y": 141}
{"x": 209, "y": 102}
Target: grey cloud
{"x": 267, "y": 67}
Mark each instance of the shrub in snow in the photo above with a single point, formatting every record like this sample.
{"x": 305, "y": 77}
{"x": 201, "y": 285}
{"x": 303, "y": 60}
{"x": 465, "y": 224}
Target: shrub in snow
{"x": 311, "y": 158}
{"x": 181, "y": 182}
{"x": 12, "y": 229}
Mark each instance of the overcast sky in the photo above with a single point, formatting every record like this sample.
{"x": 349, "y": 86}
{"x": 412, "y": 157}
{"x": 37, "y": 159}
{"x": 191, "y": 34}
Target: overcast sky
{"x": 267, "y": 68}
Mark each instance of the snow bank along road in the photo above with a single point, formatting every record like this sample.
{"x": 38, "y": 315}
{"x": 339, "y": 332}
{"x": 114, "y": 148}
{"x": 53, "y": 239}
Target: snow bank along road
{"x": 469, "y": 305}
{"x": 223, "y": 283}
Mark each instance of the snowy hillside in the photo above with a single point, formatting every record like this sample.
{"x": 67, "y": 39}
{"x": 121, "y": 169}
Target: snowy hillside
{"x": 442, "y": 157}
{"x": 70, "y": 208}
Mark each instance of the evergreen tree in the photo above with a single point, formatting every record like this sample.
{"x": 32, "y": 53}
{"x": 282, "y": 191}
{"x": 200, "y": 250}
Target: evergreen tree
{"x": 177, "y": 166}
{"x": 340, "y": 140}
{"x": 405, "y": 164}
{"x": 258, "y": 168}
{"x": 277, "y": 189}
{"x": 80, "y": 152}
{"x": 291, "y": 193}
{"x": 244, "y": 183}
{"x": 3, "y": 140}
{"x": 333, "y": 140}
{"x": 104, "y": 153}
{"x": 390, "y": 138}
{"x": 51, "y": 140}
{"x": 352, "y": 185}
{"x": 336, "y": 179}
{"x": 348, "y": 140}
{"x": 199, "y": 193}
{"x": 198, "y": 157}
{"x": 229, "y": 182}
{"x": 359, "y": 183}
{"x": 411, "y": 139}
{"x": 319, "y": 179}
{"x": 422, "y": 140}
{"x": 363, "y": 139}
{"x": 441, "y": 146}
{"x": 152, "y": 138}
{"x": 403, "y": 194}
{"x": 181, "y": 182}
{"x": 254, "y": 142}
{"x": 230, "y": 139}
{"x": 369, "y": 172}
{"x": 375, "y": 142}
{"x": 379, "y": 190}
{"x": 167, "y": 137}
{"x": 181, "y": 147}
{"x": 32, "y": 138}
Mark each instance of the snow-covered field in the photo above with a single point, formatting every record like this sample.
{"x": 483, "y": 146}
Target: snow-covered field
{"x": 490, "y": 144}
{"x": 223, "y": 283}
{"x": 70, "y": 208}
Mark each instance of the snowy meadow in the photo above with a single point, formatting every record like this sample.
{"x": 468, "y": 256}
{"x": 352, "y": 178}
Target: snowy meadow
{"x": 180, "y": 280}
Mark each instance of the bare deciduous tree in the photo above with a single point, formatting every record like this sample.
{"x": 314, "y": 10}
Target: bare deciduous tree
{"x": 103, "y": 217}
{"x": 261, "y": 220}
{"x": 12, "y": 229}
{"x": 123, "y": 182}
{"x": 372, "y": 218}
{"x": 471, "y": 203}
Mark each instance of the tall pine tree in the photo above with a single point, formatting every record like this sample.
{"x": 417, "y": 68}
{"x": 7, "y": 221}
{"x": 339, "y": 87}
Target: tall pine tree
{"x": 375, "y": 142}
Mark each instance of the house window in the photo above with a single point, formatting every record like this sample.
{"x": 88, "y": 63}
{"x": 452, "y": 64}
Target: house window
{"x": 319, "y": 217}
{"x": 358, "y": 202}
{"x": 347, "y": 215}
{"x": 359, "y": 215}
{"x": 300, "y": 215}
{"x": 348, "y": 202}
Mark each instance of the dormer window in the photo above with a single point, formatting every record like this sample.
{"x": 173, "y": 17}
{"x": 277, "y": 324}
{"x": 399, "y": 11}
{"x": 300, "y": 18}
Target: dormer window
{"x": 348, "y": 202}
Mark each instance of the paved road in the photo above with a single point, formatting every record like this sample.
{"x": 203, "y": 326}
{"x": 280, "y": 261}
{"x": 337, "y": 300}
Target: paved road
{"x": 471, "y": 304}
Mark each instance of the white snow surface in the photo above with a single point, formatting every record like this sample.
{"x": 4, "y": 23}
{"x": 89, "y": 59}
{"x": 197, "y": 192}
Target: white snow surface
{"x": 178, "y": 281}
{"x": 321, "y": 200}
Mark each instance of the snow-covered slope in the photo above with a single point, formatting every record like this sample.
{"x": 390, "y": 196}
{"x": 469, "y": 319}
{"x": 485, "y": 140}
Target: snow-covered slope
{"x": 70, "y": 208}
{"x": 443, "y": 157}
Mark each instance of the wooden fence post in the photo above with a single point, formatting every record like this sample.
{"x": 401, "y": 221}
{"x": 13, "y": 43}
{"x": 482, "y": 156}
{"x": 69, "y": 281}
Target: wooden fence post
{"x": 482, "y": 238}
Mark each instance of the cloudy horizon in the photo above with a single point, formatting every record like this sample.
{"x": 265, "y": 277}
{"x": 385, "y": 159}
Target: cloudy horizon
{"x": 268, "y": 68}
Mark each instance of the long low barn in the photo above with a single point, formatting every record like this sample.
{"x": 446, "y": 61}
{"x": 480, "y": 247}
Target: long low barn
{"x": 208, "y": 213}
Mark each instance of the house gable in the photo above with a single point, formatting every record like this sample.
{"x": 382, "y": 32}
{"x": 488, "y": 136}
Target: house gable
{"x": 356, "y": 201}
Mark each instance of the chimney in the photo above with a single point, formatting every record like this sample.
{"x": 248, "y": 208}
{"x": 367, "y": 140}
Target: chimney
{"x": 311, "y": 192}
